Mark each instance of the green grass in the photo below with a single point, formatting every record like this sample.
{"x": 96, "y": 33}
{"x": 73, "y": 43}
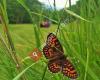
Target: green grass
{"x": 80, "y": 40}
{"x": 24, "y": 41}
{"x": 24, "y": 38}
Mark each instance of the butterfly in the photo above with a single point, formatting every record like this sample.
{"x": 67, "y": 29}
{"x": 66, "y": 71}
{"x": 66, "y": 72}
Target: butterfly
{"x": 57, "y": 61}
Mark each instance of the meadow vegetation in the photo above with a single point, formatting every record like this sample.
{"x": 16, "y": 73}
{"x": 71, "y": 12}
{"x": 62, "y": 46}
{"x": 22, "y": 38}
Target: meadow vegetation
{"x": 80, "y": 39}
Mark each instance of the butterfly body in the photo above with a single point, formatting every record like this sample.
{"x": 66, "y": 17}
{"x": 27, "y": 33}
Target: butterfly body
{"x": 58, "y": 62}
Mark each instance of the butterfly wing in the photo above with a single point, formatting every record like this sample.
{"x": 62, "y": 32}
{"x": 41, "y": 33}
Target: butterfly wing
{"x": 57, "y": 61}
{"x": 54, "y": 66}
{"x": 51, "y": 52}
{"x": 54, "y": 42}
{"x": 48, "y": 52}
{"x": 53, "y": 47}
{"x": 68, "y": 69}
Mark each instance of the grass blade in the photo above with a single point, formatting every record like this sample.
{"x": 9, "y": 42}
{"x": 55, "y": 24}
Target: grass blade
{"x": 75, "y": 15}
{"x": 86, "y": 69}
{"x": 20, "y": 74}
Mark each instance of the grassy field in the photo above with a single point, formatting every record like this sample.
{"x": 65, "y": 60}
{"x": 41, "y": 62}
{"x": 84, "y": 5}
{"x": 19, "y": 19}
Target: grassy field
{"x": 80, "y": 40}
{"x": 81, "y": 45}
{"x": 24, "y": 38}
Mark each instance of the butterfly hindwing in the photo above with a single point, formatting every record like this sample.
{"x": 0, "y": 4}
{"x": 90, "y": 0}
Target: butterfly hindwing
{"x": 54, "y": 66}
{"x": 68, "y": 69}
{"x": 49, "y": 52}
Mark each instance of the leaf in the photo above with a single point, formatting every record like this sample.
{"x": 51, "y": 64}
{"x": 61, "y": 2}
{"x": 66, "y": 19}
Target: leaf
{"x": 75, "y": 15}
{"x": 20, "y": 74}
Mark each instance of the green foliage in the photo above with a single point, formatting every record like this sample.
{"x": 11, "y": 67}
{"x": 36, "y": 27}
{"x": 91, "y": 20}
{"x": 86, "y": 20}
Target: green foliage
{"x": 15, "y": 9}
{"x": 80, "y": 40}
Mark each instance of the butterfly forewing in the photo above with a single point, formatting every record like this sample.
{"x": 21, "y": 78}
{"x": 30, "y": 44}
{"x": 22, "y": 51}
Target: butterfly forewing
{"x": 68, "y": 69}
{"x": 54, "y": 42}
{"x": 51, "y": 52}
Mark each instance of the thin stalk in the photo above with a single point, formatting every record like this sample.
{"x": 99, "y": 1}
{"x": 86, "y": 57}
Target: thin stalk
{"x": 20, "y": 74}
{"x": 44, "y": 72}
{"x": 87, "y": 62}
{"x": 5, "y": 22}
{"x": 4, "y": 43}
{"x": 38, "y": 14}
{"x": 54, "y": 4}
{"x": 59, "y": 23}
{"x": 10, "y": 42}
{"x": 70, "y": 9}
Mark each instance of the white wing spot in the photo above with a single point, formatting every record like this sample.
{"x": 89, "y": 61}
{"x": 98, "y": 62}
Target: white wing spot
{"x": 34, "y": 54}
